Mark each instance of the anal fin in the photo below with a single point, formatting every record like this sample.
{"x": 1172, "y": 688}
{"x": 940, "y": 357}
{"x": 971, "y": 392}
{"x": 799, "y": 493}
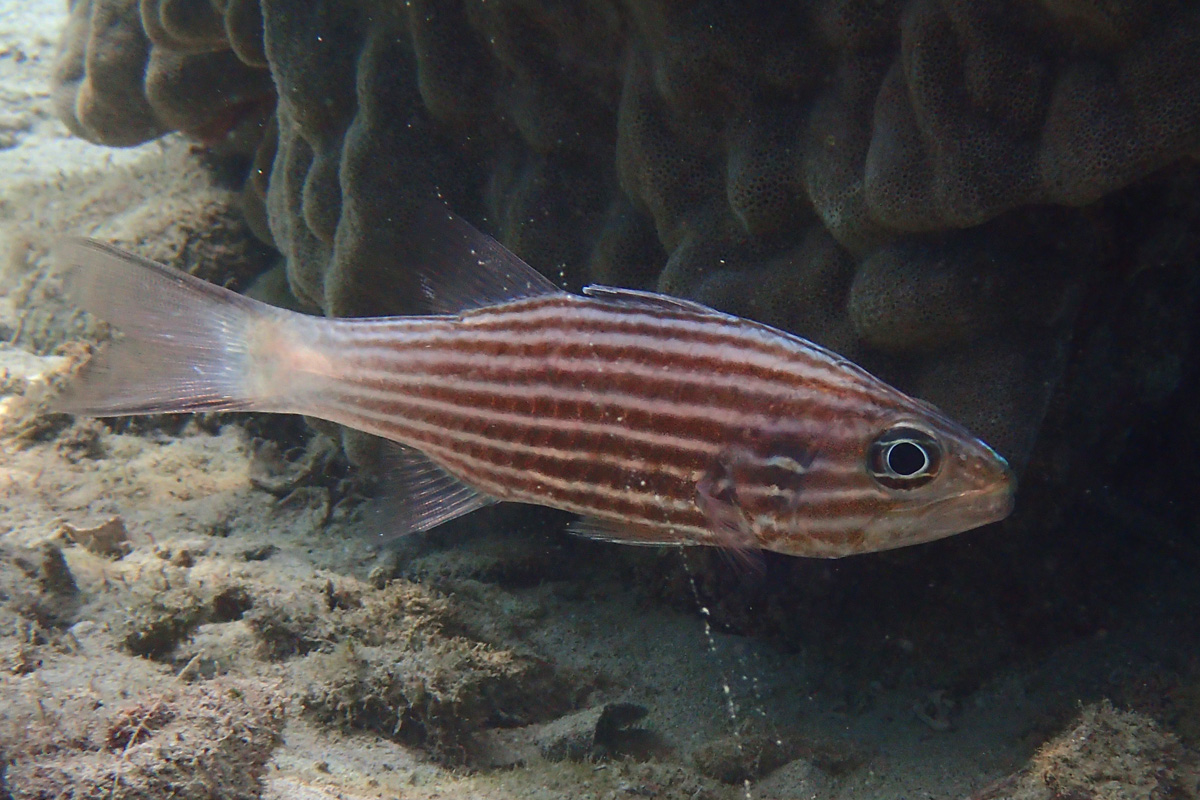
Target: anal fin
{"x": 418, "y": 494}
{"x": 744, "y": 558}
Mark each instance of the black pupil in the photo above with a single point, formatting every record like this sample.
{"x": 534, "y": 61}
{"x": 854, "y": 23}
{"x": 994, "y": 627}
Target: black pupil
{"x": 906, "y": 458}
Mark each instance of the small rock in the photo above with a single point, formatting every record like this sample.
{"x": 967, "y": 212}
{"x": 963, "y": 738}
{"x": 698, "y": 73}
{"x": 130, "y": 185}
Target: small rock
{"x": 589, "y": 734}
{"x": 753, "y": 754}
{"x": 231, "y": 604}
{"x": 799, "y": 778}
{"x": 55, "y": 575}
{"x": 260, "y": 552}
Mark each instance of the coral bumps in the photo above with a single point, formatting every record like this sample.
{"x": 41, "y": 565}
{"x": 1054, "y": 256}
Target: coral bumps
{"x": 897, "y": 180}
{"x": 128, "y": 72}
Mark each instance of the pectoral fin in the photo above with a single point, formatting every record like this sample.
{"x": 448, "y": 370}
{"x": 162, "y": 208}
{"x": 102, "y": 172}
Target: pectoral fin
{"x": 716, "y": 496}
{"x": 765, "y": 474}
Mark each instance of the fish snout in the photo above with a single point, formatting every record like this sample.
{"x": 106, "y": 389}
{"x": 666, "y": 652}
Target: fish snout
{"x": 990, "y": 487}
{"x": 993, "y": 503}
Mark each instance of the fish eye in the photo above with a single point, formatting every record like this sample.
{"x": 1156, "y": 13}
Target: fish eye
{"x": 904, "y": 458}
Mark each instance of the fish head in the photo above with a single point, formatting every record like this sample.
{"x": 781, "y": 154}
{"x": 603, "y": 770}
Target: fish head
{"x": 904, "y": 475}
{"x": 931, "y": 478}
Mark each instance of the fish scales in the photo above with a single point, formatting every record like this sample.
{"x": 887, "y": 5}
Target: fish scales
{"x": 641, "y": 415}
{"x": 679, "y": 341}
{"x": 657, "y": 420}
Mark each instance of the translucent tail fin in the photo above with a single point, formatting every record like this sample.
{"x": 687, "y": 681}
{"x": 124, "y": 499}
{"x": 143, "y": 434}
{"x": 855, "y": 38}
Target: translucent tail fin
{"x": 186, "y": 344}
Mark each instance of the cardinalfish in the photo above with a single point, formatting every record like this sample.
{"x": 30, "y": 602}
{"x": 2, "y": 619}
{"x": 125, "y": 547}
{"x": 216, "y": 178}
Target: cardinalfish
{"x": 657, "y": 420}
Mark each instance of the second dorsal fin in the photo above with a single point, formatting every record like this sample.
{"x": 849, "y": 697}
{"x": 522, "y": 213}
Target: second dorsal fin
{"x": 460, "y": 268}
{"x": 648, "y": 300}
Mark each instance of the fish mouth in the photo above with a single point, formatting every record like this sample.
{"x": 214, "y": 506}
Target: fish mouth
{"x": 989, "y": 505}
{"x": 957, "y": 513}
{"x": 972, "y": 508}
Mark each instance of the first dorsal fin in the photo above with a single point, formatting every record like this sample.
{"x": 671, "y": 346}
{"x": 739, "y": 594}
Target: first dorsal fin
{"x": 460, "y": 268}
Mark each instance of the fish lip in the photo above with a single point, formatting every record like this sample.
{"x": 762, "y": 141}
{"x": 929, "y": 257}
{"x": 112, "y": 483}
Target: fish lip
{"x": 979, "y": 506}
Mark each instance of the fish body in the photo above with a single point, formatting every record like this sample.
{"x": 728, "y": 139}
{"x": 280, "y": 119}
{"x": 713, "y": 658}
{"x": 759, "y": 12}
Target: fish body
{"x": 658, "y": 420}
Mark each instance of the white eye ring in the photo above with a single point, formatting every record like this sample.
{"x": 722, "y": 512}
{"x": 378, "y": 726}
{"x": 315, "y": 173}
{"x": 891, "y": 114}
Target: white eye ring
{"x": 904, "y": 457}
{"x": 904, "y": 464}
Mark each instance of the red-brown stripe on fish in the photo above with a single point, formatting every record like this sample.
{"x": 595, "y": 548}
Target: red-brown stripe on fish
{"x": 657, "y": 420}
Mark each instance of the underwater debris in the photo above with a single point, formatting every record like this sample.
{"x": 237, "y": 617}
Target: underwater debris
{"x": 210, "y": 740}
{"x": 162, "y": 621}
{"x": 108, "y": 539}
{"x": 934, "y": 711}
{"x": 84, "y": 439}
{"x": 439, "y": 693}
{"x": 37, "y": 584}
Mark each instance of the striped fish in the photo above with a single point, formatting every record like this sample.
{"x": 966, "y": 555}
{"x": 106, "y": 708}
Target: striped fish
{"x": 657, "y": 420}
